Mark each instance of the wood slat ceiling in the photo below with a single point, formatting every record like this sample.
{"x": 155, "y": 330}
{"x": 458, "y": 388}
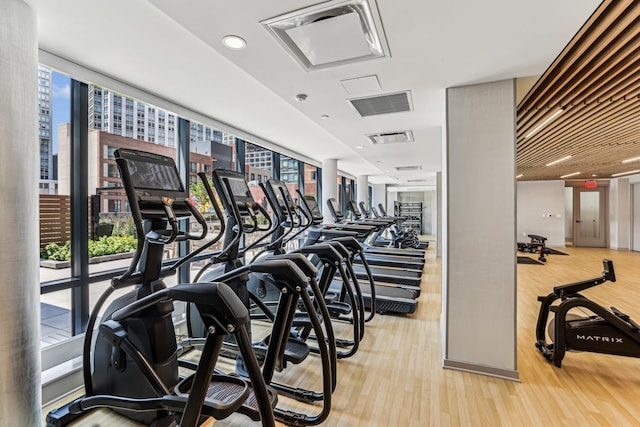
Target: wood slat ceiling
{"x": 595, "y": 81}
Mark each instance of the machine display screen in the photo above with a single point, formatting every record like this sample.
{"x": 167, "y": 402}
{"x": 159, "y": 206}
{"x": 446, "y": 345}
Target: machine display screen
{"x": 335, "y": 206}
{"x": 239, "y": 187}
{"x": 276, "y": 186}
{"x": 313, "y": 206}
{"x": 154, "y": 176}
{"x": 237, "y": 183}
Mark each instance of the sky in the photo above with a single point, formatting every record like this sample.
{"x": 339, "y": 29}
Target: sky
{"x": 60, "y": 104}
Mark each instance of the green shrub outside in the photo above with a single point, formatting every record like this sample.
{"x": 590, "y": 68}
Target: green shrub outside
{"x": 105, "y": 245}
{"x": 122, "y": 225}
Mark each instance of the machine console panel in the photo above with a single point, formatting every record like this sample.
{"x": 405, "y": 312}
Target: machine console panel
{"x": 151, "y": 181}
{"x": 240, "y": 192}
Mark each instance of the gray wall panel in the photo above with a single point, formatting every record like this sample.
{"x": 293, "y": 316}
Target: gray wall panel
{"x": 481, "y": 218}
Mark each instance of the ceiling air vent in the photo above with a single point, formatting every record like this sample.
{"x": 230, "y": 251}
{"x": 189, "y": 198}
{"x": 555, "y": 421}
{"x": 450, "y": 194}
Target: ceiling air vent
{"x": 382, "y": 104}
{"x": 416, "y": 180}
{"x": 332, "y": 33}
{"x": 408, "y": 168}
{"x": 391, "y": 137}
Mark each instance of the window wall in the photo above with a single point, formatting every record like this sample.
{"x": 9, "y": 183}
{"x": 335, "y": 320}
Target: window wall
{"x": 259, "y": 168}
{"x": 311, "y": 181}
{"x": 82, "y": 200}
{"x": 54, "y": 107}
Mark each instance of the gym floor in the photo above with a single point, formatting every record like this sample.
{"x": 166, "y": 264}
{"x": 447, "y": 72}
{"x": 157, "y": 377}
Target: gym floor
{"x": 396, "y": 379}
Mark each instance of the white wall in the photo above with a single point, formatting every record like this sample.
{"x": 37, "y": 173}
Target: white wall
{"x": 619, "y": 213}
{"x": 541, "y": 210}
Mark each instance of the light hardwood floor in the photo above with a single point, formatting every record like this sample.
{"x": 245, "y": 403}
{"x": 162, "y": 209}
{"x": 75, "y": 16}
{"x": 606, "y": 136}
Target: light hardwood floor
{"x": 396, "y": 379}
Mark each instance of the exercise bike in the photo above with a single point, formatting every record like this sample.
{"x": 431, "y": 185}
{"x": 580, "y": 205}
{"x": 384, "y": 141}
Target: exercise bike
{"x": 607, "y": 331}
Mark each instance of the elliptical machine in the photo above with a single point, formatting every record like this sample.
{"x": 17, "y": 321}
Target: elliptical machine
{"x": 134, "y": 368}
{"x": 330, "y": 257}
{"x": 294, "y": 280}
{"x": 607, "y": 331}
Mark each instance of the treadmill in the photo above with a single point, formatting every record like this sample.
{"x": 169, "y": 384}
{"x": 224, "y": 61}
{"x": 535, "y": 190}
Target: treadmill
{"x": 339, "y": 220}
{"x": 375, "y": 256}
{"x": 389, "y": 298}
{"x": 397, "y": 276}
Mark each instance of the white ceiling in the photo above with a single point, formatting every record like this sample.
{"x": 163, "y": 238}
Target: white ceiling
{"x": 173, "y": 49}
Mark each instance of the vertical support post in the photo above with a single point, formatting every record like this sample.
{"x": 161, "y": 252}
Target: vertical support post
{"x": 275, "y": 168}
{"x": 343, "y": 194}
{"x": 184, "y": 138}
{"x": 319, "y": 187}
{"x": 240, "y": 155}
{"x": 79, "y": 205}
{"x": 329, "y": 181}
{"x": 301, "y": 180}
{"x": 362, "y": 190}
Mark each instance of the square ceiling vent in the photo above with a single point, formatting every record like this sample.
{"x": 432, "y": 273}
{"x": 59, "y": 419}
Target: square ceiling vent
{"x": 392, "y": 137}
{"x": 382, "y": 104}
{"x": 332, "y": 33}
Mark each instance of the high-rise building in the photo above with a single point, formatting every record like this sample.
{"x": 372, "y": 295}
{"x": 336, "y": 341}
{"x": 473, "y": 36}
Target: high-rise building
{"x": 46, "y": 179}
{"x": 259, "y": 157}
{"x": 120, "y": 115}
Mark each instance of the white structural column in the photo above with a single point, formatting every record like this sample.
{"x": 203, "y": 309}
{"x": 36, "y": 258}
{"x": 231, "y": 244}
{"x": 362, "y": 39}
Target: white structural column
{"x": 20, "y": 393}
{"x": 329, "y": 186}
{"x": 362, "y": 192}
{"x": 480, "y": 284}
{"x": 379, "y": 195}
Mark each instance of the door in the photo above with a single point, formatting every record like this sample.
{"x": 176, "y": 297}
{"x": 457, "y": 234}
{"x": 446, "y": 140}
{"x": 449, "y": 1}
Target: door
{"x": 635, "y": 219}
{"x": 589, "y": 215}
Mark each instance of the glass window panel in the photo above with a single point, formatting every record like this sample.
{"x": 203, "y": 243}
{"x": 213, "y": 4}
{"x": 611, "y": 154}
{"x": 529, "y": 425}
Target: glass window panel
{"x": 55, "y": 317}
{"x": 310, "y": 180}
{"x": 54, "y": 105}
{"x": 289, "y": 174}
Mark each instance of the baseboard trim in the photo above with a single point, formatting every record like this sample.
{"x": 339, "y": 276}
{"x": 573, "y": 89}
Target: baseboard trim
{"x": 505, "y": 374}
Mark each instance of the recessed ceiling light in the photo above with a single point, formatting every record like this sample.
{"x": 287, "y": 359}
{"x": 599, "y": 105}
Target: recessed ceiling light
{"x": 324, "y": 116}
{"x": 570, "y": 174}
{"x": 593, "y": 175}
{"x": 519, "y": 176}
{"x": 633, "y": 159}
{"x": 559, "y": 160}
{"x": 301, "y": 97}
{"x": 626, "y": 173}
{"x": 234, "y": 42}
{"x": 360, "y": 146}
